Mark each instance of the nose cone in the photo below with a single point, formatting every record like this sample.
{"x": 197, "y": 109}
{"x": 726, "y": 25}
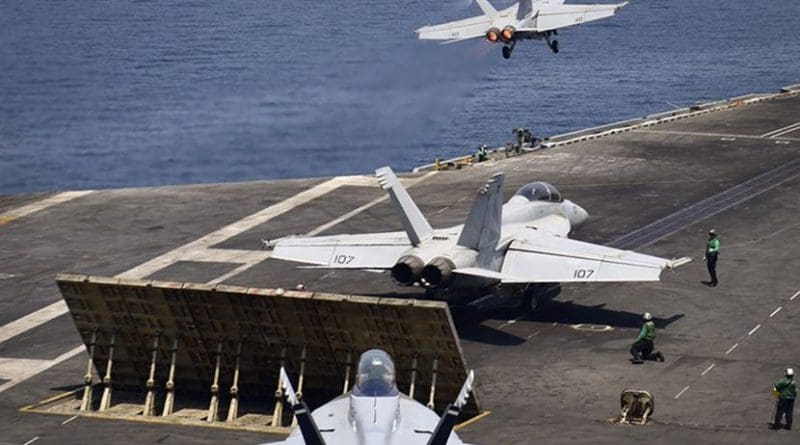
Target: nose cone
{"x": 577, "y": 215}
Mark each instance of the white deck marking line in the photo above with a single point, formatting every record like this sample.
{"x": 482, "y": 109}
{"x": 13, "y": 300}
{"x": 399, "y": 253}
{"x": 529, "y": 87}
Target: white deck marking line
{"x": 32, "y": 320}
{"x": 775, "y": 132}
{"x": 708, "y": 369}
{"x": 753, "y": 331}
{"x": 682, "y": 391}
{"x": 794, "y": 296}
{"x": 42, "y": 204}
{"x": 731, "y": 349}
{"x": 69, "y": 420}
{"x": 244, "y": 224}
{"x": 712, "y": 135}
{"x": 535, "y": 333}
{"x": 775, "y": 311}
{"x": 782, "y": 133}
{"x": 23, "y": 369}
{"x": 31, "y": 441}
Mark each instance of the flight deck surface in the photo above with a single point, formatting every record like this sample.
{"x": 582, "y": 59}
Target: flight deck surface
{"x": 554, "y": 377}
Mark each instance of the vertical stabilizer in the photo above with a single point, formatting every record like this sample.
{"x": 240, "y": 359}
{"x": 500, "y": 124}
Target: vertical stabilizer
{"x": 487, "y": 8}
{"x": 414, "y": 223}
{"x": 482, "y": 229}
{"x": 526, "y": 8}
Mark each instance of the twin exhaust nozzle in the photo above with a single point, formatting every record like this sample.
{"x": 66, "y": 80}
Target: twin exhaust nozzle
{"x": 411, "y": 269}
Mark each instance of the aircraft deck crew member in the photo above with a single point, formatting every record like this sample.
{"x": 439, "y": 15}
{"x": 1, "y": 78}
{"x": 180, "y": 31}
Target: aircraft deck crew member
{"x": 482, "y": 154}
{"x": 643, "y": 347}
{"x": 711, "y": 255}
{"x": 786, "y": 388}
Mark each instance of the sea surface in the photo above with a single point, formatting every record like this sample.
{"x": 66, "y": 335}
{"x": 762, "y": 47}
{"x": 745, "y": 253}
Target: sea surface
{"x": 118, "y": 93}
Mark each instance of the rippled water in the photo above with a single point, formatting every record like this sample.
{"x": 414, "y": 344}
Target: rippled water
{"x": 127, "y": 93}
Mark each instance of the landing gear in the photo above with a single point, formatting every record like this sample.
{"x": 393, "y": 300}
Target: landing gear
{"x": 553, "y": 44}
{"x": 508, "y": 48}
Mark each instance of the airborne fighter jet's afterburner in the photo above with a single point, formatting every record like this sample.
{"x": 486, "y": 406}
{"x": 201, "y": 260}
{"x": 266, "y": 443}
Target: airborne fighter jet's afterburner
{"x": 502, "y": 249}
{"x": 528, "y": 19}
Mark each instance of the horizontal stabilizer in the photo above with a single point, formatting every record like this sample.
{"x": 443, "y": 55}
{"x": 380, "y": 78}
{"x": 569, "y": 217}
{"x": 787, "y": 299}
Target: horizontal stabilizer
{"x": 549, "y": 259}
{"x": 368, "y": 251}
{"x": 557, "y": 16}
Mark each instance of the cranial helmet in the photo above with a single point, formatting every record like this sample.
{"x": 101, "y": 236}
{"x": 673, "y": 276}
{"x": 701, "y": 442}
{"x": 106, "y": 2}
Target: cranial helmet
{"x": 647, "y": 316}
{"x": 712, "y": 232}
{"x": 789, "y": 372}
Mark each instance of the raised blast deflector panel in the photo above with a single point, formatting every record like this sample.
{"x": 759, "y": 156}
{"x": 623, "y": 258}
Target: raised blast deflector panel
{"x": 272, "y": 326}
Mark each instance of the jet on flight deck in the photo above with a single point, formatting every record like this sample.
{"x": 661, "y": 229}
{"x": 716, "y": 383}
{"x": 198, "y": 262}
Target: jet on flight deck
{"x": 374, "y": 412}
{"x": 501, "y": 250}
{"x": 528, "y": 19}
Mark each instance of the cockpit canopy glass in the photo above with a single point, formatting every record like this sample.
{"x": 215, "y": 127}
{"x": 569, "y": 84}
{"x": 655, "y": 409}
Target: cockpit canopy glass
{"x": 376, "y": 375}
{"x": 540, "y": 191}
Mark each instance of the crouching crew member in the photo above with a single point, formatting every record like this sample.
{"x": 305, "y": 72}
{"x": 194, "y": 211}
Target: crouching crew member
{"x": 643, "y": 347}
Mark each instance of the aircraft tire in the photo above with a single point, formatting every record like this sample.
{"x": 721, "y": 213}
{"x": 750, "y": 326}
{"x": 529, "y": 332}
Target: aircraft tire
{"x": 506, "y": 52}
{"x": 555, "y": 47}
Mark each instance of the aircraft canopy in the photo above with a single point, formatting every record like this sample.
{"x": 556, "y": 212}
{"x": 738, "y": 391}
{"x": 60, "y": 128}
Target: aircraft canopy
{"x": 540, "y": 191}
{"x": 376, "y": 375}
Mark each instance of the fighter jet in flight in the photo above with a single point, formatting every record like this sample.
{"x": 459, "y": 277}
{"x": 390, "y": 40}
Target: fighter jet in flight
{"x": 501, "y": 250}
{"x": 374, "y": 412}
{"x": 528, "y": 19}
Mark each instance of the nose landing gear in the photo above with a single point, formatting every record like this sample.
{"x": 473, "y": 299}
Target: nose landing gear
{"x": 553, "y": 44}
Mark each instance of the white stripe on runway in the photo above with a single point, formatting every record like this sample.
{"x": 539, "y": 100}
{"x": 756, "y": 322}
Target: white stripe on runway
{"x": 775, "y": 311}
{"x": 787, "y": 129}
{"x": 27, "y": 209}
{"x": 32, "y": 320}
{"x": 708, "y": 369}
{"x": 20, "y": 369}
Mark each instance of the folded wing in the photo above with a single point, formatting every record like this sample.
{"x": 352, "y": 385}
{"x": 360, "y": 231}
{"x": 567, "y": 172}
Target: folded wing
{"x": 541, "y": 258}
{"x": 368, "y": 251}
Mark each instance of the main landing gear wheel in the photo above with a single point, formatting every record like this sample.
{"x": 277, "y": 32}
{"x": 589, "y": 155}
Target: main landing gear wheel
{"x": 530, "y": 303}
{"x": 506, "y": 52}
{"x": 554, "y": 46}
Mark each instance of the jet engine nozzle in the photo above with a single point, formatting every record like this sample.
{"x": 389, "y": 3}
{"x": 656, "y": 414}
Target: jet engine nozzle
{"x": 438, "y": 273}
{"x": 507, "y": 34}
{"x": 407, "y": 270}
{"x": 493, "y": 35}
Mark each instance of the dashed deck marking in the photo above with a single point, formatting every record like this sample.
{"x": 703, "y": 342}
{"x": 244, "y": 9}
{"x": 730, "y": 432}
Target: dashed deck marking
{"x": 31, "y": 441}
{"x": 732, "y": 348}
{"x": 775, "y": 311}
{"x": 42, "y": 204}
{"x": 69, "y": 420}
{"x": 535, "y": 333}
{"x": 682, "y": 391}
{"x": 753, "y": 331}
{"x": 795, "y": 295}
{"x": 710, "y": 367}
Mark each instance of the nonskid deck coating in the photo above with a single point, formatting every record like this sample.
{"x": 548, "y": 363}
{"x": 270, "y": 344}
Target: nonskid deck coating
{"x": 542, "y": 380}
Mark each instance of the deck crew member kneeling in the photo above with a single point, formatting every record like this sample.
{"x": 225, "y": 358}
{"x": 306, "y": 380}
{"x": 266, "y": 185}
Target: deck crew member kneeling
{"x": 643, "y": 347}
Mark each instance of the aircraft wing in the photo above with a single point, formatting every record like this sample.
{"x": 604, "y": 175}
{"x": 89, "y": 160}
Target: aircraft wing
{"x": 456, "y": 31}
{"x": 554, "y": 16}
{"x": 367, "y": 251}
{"x": 541, "y": 258}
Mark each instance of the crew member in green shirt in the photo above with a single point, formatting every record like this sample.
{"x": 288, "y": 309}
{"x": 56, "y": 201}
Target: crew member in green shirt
{"x": 711, "y": 255}
{"x": 643, "y": 347}
{"x": 786, "y": 389}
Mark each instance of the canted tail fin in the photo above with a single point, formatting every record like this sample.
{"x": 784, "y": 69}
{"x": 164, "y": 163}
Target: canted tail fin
{"x": 487, "y": 8}
{"x": 414, "y": 222}
{"x": 482, "y": 229}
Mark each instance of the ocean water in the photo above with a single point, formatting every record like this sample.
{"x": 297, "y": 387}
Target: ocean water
{"x": 97, "y": 94}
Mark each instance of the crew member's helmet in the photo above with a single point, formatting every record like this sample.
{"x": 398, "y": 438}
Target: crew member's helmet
{"x": 647, "y": 316}
{"x": 789, "y": 372}
{"x": 712, "y": 232}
